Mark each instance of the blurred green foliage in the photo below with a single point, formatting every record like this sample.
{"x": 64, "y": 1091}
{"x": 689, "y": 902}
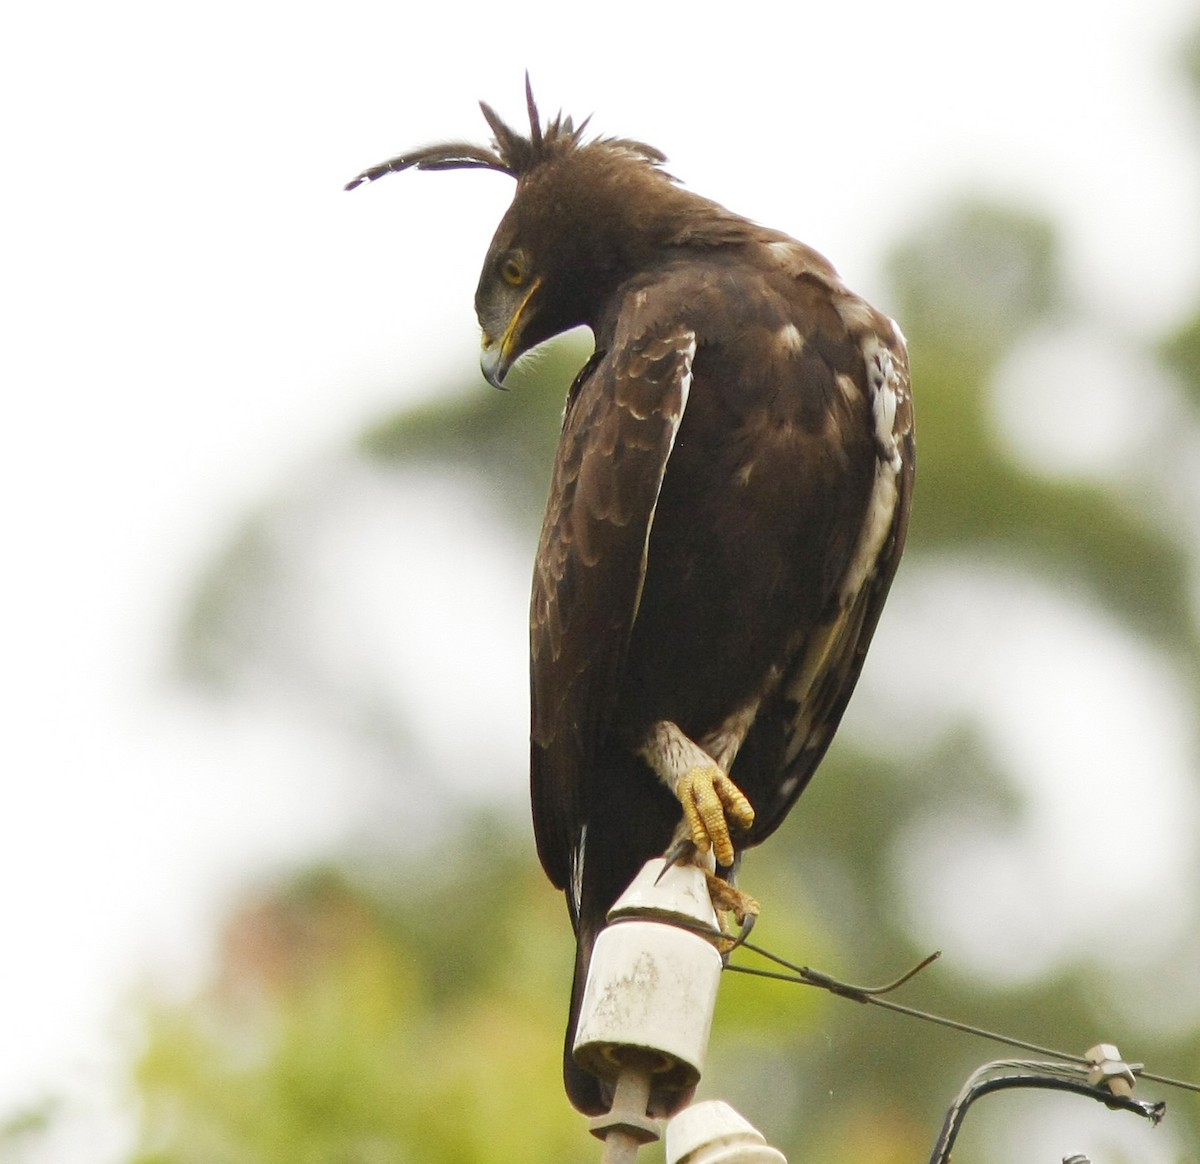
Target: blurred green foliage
{"x": 970, "y": 286}
{"x": 349, "y": 1024}
{"x": 398, "y": 1009}
{"x": 1181, "y": 353}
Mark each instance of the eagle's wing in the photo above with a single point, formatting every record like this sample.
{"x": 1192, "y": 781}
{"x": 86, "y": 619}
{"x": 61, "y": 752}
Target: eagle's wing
{"x": 794, "y": 731}
{"x": 622, "y": 416}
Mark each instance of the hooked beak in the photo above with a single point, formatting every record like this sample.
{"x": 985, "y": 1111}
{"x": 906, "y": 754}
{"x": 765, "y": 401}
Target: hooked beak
{"x": 498, "y": 356}
{"x": 492, "y": 362}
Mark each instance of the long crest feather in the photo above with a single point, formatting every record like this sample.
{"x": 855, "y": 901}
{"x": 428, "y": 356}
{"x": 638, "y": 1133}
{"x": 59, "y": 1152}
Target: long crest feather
{"x": 535, "y": 121}
{"x": 450, "y": 156}
{"x": 511, "y": 153}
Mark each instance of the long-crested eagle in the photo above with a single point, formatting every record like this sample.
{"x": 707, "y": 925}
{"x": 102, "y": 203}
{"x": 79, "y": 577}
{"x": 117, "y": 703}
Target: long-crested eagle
{"x": 727, "y": 508}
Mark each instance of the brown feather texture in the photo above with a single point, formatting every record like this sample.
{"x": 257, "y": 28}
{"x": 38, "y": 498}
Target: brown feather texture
{"x": 727, "y": 507}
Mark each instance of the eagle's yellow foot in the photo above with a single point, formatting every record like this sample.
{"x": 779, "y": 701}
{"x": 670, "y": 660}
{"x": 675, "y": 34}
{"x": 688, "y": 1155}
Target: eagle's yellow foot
{"x": 710, "y": 802}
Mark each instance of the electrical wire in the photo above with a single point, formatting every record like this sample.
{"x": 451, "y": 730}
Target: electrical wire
{"x": 807, "y": 976}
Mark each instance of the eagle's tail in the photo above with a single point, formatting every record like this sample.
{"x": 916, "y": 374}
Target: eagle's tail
{"x": 586, "y": 1092}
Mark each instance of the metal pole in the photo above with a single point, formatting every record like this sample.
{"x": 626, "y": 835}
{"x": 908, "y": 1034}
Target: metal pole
{"x": 625, "y": 1131}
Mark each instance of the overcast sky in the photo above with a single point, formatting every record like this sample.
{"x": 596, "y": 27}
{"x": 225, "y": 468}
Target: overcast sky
{"x": 192, "y": 308}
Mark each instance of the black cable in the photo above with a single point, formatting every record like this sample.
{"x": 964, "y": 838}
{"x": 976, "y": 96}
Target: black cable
{"x": 1040, "y": 1076}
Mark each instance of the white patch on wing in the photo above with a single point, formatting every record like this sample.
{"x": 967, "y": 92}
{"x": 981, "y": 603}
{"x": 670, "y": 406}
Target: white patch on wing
{"x": 786, "y": 251}
{"x": 790, "y": 339}
{"x": 858, "y": 315}
{"x": 675, "y": 419}
{"x": 881, "y": 509}
{"x": 577, "y": 870}
{"x": 884, "y": 407}
{"x": 685, "y": 386}
{"x": 886, "y": 388}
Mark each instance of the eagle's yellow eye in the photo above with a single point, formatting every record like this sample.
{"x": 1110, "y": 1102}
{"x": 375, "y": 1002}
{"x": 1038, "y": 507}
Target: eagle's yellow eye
{"x": 512, "y": 272}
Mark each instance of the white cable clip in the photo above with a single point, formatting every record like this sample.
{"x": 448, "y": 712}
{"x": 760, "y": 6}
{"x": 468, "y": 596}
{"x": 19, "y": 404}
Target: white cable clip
{"x": 1110, "y": 1069}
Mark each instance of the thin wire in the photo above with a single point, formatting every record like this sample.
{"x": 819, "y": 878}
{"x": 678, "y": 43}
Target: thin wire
{"x": 1183, "y": 1083}
{"x": 807, "y": 976}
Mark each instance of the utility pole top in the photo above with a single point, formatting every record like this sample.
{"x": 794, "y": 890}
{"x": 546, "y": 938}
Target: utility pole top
{"x": 645, "y": 1020}
{"x": 652, "y": 985}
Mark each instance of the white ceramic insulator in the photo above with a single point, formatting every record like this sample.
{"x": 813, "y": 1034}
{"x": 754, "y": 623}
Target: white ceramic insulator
{"x": 652, "y": 986}
{"x": 678, "y": 892}
{"x": 713, "y": 1133}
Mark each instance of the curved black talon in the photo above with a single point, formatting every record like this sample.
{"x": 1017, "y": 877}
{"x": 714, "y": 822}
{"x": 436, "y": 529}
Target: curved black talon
{"x": 677, "y": 852}
{"x": 747, "y": 925}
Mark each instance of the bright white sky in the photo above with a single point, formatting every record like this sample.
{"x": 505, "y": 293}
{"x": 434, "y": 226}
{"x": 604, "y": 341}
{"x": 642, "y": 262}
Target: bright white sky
{"x": 192, "y": 309}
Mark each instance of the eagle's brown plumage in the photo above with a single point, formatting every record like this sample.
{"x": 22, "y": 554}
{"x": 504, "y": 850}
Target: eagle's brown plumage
{"x": 727, "y": 509}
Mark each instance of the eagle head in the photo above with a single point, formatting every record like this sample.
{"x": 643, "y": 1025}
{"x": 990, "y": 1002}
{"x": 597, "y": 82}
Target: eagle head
{"x": 586, "y": 215}
{"x": 552, "y": 264}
